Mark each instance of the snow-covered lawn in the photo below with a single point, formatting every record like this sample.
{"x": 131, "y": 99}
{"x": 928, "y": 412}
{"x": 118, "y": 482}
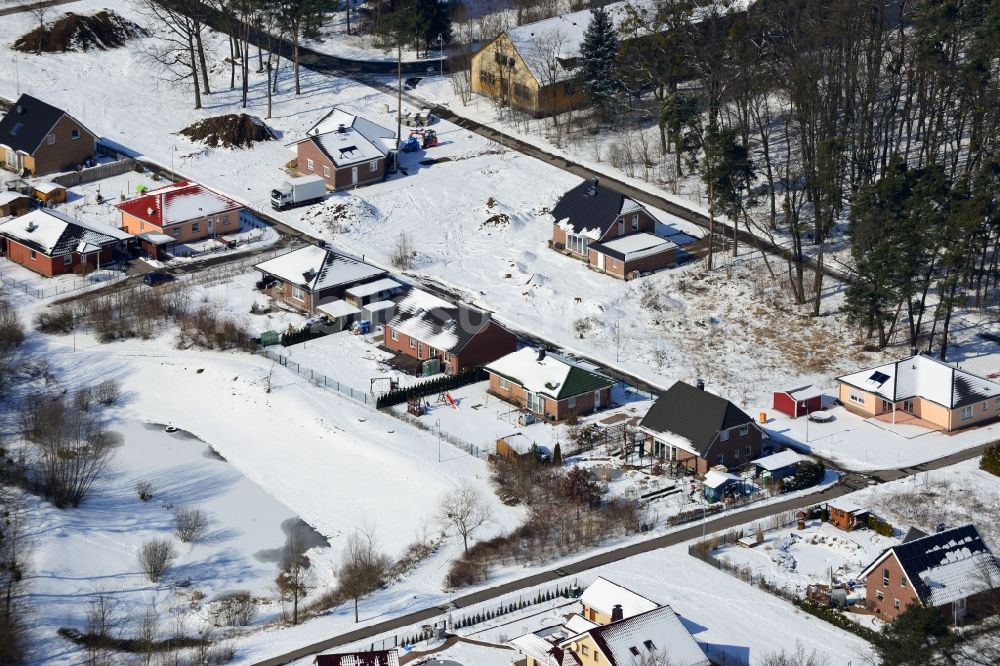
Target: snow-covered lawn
{"x": 794, "y": 559}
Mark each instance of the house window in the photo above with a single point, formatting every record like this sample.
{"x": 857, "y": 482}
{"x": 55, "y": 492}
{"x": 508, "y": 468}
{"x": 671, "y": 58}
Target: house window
{"x": 736, "y": 454}
{"x": 298, "y": 294}
{"x": 885, "y": 578}
{"x": 855, "y": 396}
{"x": 536, "y": 403}
{"x": 447, "y": 356}
{"x": 749, "y": 451}
{"x": 522, "y": 91}
{"x": 569, "y": 88}
{"x": 967, "y": 412}
{"x": 649, "y": 645}
{"x": 621, "y": 227}
{"x": 584, "y": 650}
{"x": 487, "y": 78}
{"x": 33, "y": 254}
{"x": 309, "y": 164}
{"x": 997, "y": 401}
{"x": 413, "y": 343}
{"x": 879, "y": 595}
{"x": 68, "y": 260}
{"x": 431, "y": 352}
{"x": 744, "y": 431}
{"x": 723, "y": 435}
{"x": 635, "y": 223}
{"x": 571, "y": 403}
{"x": 373, "y": 166}
{"x": 985, "y": 406}
{"x": 395, "y": 335}
{"x": 504, "y": 384}
{"x": 51, "y": 139}
{"x": 176, "y": 231}
{"x": 634, "y": 650}
{"x": 577, "y": 244}
{"x": 719, "y": 460}
{"x": 902, "y": 581}
{"x": 895, "y": 604}
{"x": 326, "y": 171}
{"x": 195, "y": 227}
{"x": 75, "y": 134}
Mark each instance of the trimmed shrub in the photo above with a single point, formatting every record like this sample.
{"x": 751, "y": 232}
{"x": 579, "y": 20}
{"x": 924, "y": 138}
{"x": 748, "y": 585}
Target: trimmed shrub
{"x": 991, "y": 458}
{"x": 438, "y": 385}
{"x": 807, "y": 475}
{"x": 879, "y": 526}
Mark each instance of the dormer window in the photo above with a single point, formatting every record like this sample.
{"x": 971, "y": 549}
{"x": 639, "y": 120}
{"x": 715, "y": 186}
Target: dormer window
{"x": 16, "y": 129}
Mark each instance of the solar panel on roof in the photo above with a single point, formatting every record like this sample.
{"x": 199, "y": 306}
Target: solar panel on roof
{"x": 879, "y": 377}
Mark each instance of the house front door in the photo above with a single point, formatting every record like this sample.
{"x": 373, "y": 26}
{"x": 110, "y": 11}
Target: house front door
{"x": 600, "y": 261}
{"x": 210, "y": 225}
{"x": 886, "y": 407}
{"x": 908, "y": 406}
{"x": 597, "y": 400}
{"x": 354, "y": 175}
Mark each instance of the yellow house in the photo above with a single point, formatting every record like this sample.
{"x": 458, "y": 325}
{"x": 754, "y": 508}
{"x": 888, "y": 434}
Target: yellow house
{"x": 604, "y": 599}
{"x": 535, "y": 67}
{"x": 939, "y": 394}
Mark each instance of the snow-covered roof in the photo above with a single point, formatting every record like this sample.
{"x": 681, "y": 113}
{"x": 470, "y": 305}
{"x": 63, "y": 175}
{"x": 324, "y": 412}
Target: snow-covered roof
{"x": 804, "y": 392}
{"x": 378, "y": 306}
{"x": 577, "y": 624}
{"x": 543, "y": 373}
{"x": 317, "y": 268}
{"x": 178, "y": 203}
{"x": 371, "y": 288}
{"x": 348, "y": 139}
{"x": 779, "y": 460}
{"x": 602, "y": 595}
{"x": 845, "y": 504}
{"x": 924, "y": 377}
{"x": 7, "y": 197}
{"x": 53, "y": 233}
{"x": 716, "y": 479}
{"x": 437, "y": 323}
{"x": 368, "y": 658}
{"x": 635, "y": 246}
{"x": 46, "y": 187}
{"x": 337, "y": 309}
{"x": 536, "y": 647}
{"x": 647, "y": 635}
{"x": 156, "y": 238}
{"x": 519, "y": 442}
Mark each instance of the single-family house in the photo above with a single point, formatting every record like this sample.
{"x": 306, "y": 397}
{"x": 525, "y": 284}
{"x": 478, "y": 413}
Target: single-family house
{"x": 52, "y": 243}
{"x": 535, "y": 67}
{"x": 653, "y": 634}
{"x": 346, "y": 150}
{"x": 547, "y": 386}
{"x": 798, "y": 402}
{"x": 453, "y": 336}
{"x": 778, "y": 465}
{"x": 612, "y": 233}
{"x": 370, "y": 658}
{"x": 697, "y": 429}
{"x": 541, "y": 647}
{"x": 847, "y": 514}
{"x": 938, "y": 394}
{"x": 604, "y": 600}
{"x": 37, "y": 138}
{"x": 953, "y": 570}
{"x": 13, "y": 204}
{"x": 182, "y": 211}
{"x": 312, "y": 276}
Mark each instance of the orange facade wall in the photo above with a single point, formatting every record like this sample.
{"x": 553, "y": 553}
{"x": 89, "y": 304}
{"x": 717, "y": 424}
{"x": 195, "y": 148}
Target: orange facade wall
{"x": 191, "y": 230}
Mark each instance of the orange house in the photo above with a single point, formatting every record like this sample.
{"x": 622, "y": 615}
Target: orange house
{"x": 183, "y": 211}
{"x": 51, "y": 243}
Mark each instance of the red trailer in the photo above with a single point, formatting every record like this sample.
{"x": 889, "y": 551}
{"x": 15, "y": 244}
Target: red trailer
{"x": 798, "y": 402}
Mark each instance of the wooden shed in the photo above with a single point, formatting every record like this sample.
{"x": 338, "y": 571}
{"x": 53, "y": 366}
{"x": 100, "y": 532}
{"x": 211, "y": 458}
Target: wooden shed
{"x": 847, "y": 514}
{"x": 798, "y": 402}
{"x": 46, "y": 192}
{"x": 13, "y": 203}
{"x": 516, "y": 446}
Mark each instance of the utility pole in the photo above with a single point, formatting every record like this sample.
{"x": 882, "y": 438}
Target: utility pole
{"x": 437, "y": 424}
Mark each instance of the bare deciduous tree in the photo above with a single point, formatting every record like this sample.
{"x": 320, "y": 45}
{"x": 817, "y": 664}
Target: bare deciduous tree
{"x": 402, "y": 253}
{"x": 14, "y": 559}
{"x": 108, "y": 392}
{"x": 465, "y": 509}
{"x": 363, "y": 567}
{"x": 176, "y": 51}
{"x": 234, "y": 609}
{"x": 11, "y": 337}
{"x": 190, "y": 524}
{"x": 294, "y": 579}
{"x": 155, "y": 557}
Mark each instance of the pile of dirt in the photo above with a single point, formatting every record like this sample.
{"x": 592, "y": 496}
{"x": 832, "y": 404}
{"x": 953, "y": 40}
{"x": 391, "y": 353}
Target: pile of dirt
{"x": 342, "y": 214}
{"x": 498, "y": 221}
{"x": 229, "y": 131}
{"x": 102, "y": 31}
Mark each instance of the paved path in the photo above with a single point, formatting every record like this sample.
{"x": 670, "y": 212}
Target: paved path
{"x": 17, "y": 9}
{"x": 694, "y": 531}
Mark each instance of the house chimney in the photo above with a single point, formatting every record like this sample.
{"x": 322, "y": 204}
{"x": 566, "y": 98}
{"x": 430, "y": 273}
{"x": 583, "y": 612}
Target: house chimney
{"x": 19, "y": 109}
{"x": 913, "y": 351}
{"x": 700, "y": 384}
{"x": 541, "y": 354}
{"x": 594, "y": 182}
{"x": 340, "y": 128}
{"x": 616, "y": 613}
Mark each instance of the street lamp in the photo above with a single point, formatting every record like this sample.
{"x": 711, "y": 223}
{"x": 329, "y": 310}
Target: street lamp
{"x": 437, "y": 424}
{"x": 441, "y": 54}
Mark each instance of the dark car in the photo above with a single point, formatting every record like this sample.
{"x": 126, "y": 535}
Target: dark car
{"x": 153, "y": 279}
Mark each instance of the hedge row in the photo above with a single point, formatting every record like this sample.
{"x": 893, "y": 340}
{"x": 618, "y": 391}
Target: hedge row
{"x": 991, "y": 458}
{"x": 836, "y": 618}
{"x": 438, "y": 385}
{"x": 807, "y": 475}
{"x": 879, "y": 526}
{"x": 302, "y": 335}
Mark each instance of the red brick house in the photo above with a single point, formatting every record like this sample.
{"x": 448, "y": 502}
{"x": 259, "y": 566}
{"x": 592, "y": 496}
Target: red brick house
{"x": 426, "y": 327}
{"x": 698, "y": 430}
{"x": 312, "y": 276}
{"x": 37, "y": 138}
{"x": 51, "y": 243}
{"x": 612, "y": 233}
{"x": 182, "y": 211}
{"x": 547, "y": 387}
{"x": 953, "y": 570}
{"x": 346, "y": 151}
{"x": 371, "y": 658}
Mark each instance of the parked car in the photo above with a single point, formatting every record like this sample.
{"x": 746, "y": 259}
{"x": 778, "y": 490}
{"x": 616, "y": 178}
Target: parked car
{"x": 153, "y": 279}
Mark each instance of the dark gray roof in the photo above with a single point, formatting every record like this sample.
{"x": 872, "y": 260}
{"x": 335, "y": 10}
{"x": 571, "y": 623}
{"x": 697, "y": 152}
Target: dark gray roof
{"x": 28, "y": 123}
{"x": 694, "y": 414}
{"x": 589, "y": 207}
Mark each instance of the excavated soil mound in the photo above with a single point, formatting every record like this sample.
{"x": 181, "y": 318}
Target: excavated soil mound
{"x": 73, "y": 32}
{"x": 229, "y": 131}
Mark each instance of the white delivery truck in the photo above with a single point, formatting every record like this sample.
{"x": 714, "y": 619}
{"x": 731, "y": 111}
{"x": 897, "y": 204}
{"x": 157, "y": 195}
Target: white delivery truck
{"x": 298, "y": 192}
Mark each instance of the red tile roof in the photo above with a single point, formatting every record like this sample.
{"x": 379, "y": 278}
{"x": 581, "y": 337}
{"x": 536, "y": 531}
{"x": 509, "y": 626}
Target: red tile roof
{"x": 177, "y": 203}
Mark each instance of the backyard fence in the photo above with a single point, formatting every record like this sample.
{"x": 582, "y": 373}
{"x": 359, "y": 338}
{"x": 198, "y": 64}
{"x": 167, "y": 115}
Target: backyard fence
{"x": 62, "y": 286}
{"x": 318, "y": 378}
{"x": 99, "y": 172}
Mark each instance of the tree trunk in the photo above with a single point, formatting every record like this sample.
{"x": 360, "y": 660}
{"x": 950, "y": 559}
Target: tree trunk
{"x": 295, "y": 55}
{"x": 193, "y": 60}
{"x": 711, "y": 226}
{"x": 356, "y": 610}
{"x": 201, "y": 57}
{"x": 232, "y": 62}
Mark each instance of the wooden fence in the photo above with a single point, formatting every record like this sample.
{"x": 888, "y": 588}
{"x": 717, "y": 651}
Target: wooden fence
{"x": 98, "y": 172}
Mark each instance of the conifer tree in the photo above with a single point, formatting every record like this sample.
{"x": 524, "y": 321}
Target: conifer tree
{"x": 598, "y": 56}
